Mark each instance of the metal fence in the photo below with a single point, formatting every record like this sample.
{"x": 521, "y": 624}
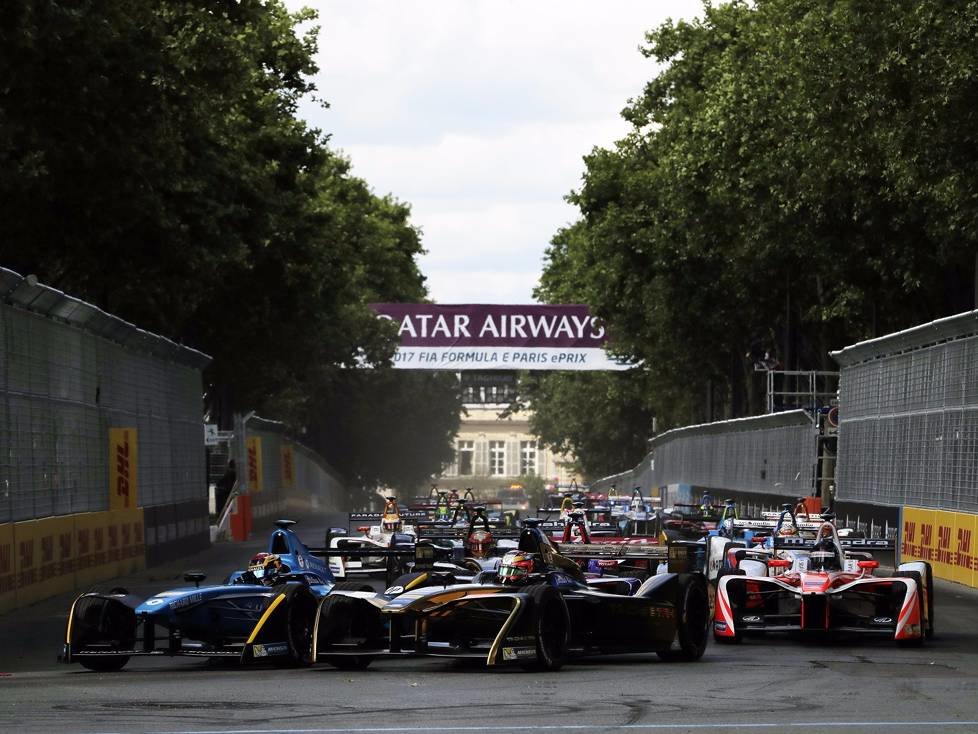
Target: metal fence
{"x": 278, "y": 470}
{"x": 68, "y": 373}
{"x": 909, "y": 417}
{"x": 770, "y": 454}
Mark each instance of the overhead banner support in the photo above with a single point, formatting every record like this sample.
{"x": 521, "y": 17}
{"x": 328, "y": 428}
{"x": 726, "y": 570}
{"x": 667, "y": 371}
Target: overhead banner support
{"x": 494, "y": 337}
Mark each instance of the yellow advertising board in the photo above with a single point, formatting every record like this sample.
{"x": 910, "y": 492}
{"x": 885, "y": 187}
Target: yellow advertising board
{"x": 123, "y": 468}
{"x": 948, "y": 540}
{"x": 41, "y": 558}
{"x": 288, "y": 467}
{"x": 254, "y": 469}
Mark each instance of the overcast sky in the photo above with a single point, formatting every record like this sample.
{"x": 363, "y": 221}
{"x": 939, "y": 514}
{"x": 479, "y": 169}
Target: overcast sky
{"x": 477, "y": 113}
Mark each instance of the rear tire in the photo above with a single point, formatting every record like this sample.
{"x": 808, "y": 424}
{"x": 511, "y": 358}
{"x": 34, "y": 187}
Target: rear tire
{"x": 551, "y": 628}
{"x": 692, "y": 627}
{"x": 340, "y": 623}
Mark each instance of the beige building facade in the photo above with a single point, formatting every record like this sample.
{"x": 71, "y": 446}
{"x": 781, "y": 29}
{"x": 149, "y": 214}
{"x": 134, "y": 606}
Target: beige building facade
{"x": 492, "y": 451}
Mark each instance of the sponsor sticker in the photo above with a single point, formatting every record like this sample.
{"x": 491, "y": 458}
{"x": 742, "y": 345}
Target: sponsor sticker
{"x": 275, "y": 648}
{"x": 519, "y": 653}
{"x": 752, "y": 619}
{"x": 186, "y": 601}
{"x": 394, "y": 590}
{"x": 882, "y": 620}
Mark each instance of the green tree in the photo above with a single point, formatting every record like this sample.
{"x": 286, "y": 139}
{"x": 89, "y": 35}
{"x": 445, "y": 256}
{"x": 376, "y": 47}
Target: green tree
{"x": 797, "y": 178}
{"x": 152, "y": 162}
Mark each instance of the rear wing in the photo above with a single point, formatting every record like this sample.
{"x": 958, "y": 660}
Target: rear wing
{"x": 772, "y": 524}
{"x": 681, "y": 556}
{"x": 448, "y": 531}
{"x": 869, "y": 544}
{"x": 593, "y": 528}
{"x": 421, "y": 554}
{"x": 375, "y": 517}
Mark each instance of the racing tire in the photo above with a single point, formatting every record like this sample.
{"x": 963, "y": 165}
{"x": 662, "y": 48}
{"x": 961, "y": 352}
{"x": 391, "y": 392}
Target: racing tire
{"x": 104, "y": 663}
{"x": 915, "y": 575}
{"x": 550, "y": 623}
{"x": 693, "y": 625}
{"x": 300, "y": 621}
{"x": 353, "y": 586}
{"x": 337, "y": 618}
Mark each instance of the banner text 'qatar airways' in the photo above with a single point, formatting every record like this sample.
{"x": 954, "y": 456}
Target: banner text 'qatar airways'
{"x": 494, "y": 337}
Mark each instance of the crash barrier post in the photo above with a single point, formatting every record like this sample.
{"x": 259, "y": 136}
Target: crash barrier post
{"x": 241, "y": 517}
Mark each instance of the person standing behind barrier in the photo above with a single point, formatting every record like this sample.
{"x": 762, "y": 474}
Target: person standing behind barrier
{"x": 225, "y": 484}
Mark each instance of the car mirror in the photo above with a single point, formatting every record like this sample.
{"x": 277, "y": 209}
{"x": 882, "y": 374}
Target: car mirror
{"x": 194, "y": 577}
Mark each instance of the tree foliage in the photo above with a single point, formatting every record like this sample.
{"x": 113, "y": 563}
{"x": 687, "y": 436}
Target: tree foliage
{"x": 152, "y": 162}
{"x": 800, "y": 176}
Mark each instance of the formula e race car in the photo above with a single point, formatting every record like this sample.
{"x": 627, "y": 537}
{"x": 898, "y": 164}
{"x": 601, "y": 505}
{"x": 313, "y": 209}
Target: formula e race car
{"x": 538, "y": 610}
{"x": 267, "y": 612}
{"x": 389, "y": 531}
{"x": 819, "y": 589}
{"x": 724, "y": 545}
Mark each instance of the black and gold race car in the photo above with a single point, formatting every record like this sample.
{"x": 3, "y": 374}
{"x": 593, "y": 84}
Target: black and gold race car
{"x": 538, "y": 610}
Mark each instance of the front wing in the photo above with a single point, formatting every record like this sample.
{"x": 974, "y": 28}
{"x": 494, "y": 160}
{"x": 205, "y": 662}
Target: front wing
{"x": 882, "y": 607}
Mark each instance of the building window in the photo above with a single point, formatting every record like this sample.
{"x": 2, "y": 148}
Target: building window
{"x": 528, "y": 457}
{"x": 466, "y": 452}
{"x": 497, "y": 458}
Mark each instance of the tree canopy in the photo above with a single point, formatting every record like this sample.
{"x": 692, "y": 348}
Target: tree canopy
{"x": 800, "y": 176}
{"x": 152, "y": 162}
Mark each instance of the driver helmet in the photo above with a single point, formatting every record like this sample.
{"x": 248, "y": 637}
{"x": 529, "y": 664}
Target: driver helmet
{"x": 265, "y": 567}
{"x": 480, "y": 543}
{"x": 391, "y": 524}
{"x": 515, "y": 567}
{"x": 788, "y": 529}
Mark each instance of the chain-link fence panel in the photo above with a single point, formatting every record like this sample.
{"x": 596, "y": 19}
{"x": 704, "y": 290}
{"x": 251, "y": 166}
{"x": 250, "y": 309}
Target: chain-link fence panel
{"x": 771, "y": 454}
{"x": 68, "y": 374}
{"x": 909, "y": 409}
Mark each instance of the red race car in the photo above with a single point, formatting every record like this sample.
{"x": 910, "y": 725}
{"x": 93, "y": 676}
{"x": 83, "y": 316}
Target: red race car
{"x": 823, "y": 591}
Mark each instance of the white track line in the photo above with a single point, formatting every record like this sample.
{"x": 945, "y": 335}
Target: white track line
{"x": 577, "y": 727}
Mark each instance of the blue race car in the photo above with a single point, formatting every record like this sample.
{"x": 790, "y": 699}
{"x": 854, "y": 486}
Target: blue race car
{"x": 264, "y": 613}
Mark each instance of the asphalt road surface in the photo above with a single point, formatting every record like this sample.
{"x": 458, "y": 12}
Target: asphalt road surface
{"x": 758, "y": 686}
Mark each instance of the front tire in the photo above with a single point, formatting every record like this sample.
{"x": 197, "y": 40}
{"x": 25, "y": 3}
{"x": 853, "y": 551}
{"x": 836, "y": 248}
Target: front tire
{"x": 692, "y": 627}
{"x": 551, "y": 628}
{"x": 299, "y": 624}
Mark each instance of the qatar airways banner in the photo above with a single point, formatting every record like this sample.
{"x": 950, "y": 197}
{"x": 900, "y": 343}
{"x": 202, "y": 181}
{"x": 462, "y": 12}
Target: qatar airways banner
{"x": 492, "y": 337}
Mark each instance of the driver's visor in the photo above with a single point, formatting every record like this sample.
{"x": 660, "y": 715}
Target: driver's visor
{"x": 258, "y": 571}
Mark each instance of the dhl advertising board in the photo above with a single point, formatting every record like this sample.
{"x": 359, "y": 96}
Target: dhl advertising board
{"x": 948, "y": 540}
{"x": 254, "y": 468}
{"x": 52, "y": 555}
{"x": 122, "y": 468}
{"x": 288, "y": 467}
